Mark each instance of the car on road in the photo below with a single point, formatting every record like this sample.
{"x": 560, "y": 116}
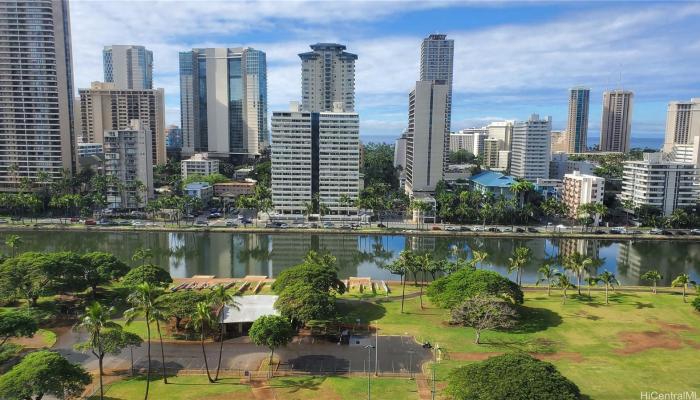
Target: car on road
{"x": 520, "y": 230}
{"x": 327, "y": 225}
{"x": 507, "y": 230}
{"x": 3, "y": 221}
{"x": 533, "y": 230}
{"x": 656, "y": 231}
{"x": 74, "y": 219}
{"x": 231, "y": 223}
{"x": 695, "y": 231}
{"x": 452, "y": 228}
{"x": 137, "y": 223}
{"x": 599, "y": 232}
{"x": 106, "y": 222}
{"x": 495, "y": 230}
{"x": 465, "y": 229}
{"x": 561, "y": 227}
{"x": 680, "y": 233}
{"x": 90, "y": 222}
{"x": 380, "y": 225}
{"x": 201, "y": 222}
{"x": 618, "y": 231}
{"x": 436, "y": 228}
{"x": 666, "y": 232}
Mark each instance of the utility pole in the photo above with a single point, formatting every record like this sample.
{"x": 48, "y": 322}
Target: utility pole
{"x": 369, "y": 348}
{"x": 376, "y": 349}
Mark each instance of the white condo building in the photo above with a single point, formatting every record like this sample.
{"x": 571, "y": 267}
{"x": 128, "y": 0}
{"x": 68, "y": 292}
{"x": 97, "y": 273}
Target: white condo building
{"x": 530, "y": 149}
{"x": 660, "y": 184}
{"x": 36, "y": 91}
{"x": 199, "y": 164}
{"x": 128, "y": 157}
{"x": 682, "y": 123}
{"x": 428, "y": 137}
{"x": 469, "y": 139}
{"x": 503, "y": 131}
{"x": 128, "y": 66}
{"x": 436, "y": 64}
{"x": 581, "y": 189}
{"x": 314, "y": 156}
{"x": 327, "y": 77}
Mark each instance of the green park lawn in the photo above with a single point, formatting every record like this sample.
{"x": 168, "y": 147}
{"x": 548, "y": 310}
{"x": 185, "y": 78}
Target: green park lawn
{"x": 178, "y": 388}
{"x": 639, "y": 342}
{"x": 344, "y": 388}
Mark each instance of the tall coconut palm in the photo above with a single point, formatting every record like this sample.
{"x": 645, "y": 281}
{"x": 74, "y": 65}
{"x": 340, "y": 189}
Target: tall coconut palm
{"x": 520, "y": 188}
{"x": 95, "y": 320}
{"x": 159, "y": 313}
{"x": 521, "y": 256}
{"x": 478, "y": 257}
{"x": 653, "y": 277}
{"x": 219, "y": 297}
{"x": 609, "y": 280}
{"x": 577, "y": 263}
{"x": 683, "y": 280}
{"x": 564, "y": 284}
{"x": 591, "y": 281}
{"x": 398, "y": 267}
{"x": 201, "y": 320}
{"x": 548, "y": 274}
{"x": 142, "y": 299}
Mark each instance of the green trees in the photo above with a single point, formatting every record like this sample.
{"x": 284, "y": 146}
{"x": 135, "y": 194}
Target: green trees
{"x": 452, "y": 290}
{"x": 398, "y": 267}
{"x": 147, "y": 273}
{"x": 521, "y": 188}
{"x": 547, "y": 274}
{"x": 95, "y": 321}
{"x": 181, "y": 304}
{"x": 271, "y": 331}
{"x": 578, "y": 264}
{"x": 609, "y": 280}
{"x": 510, "y": 376}
{"x": 379, "y": 165}
{"x": 564, "y": 284}
{"x": 201, "y": 321}
{"x": 44, "y": 373}
{"x": 683, "y": 281}
{"x": 478, "y": 257}
{"x": 592, "y": 281}
{"x": 17, "y": 323}
{"x": 219, "y": 297}
{"x": 521, "y": 256}
{"x": 484, "y": 313}
{"x": 696, "y": 303}
{"x": 653, "y": 277}
{"x": 101, "y": 268}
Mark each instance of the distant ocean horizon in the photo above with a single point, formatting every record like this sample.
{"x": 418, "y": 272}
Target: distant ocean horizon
{"x": 637, "y": 142}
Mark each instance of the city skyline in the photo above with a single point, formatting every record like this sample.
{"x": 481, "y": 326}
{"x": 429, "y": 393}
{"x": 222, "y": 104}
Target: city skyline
{"x": 593, "y": 45}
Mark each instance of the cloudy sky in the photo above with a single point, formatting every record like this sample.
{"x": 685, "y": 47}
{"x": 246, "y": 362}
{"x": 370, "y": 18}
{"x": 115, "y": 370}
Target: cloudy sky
{"x": 511, "y": 58}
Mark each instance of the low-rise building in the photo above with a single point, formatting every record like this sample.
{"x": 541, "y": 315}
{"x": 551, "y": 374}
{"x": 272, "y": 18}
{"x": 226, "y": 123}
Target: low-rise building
{"x": 242, "y": 173}
{"x": 493, "y": 182}
{"x": 491, "y": 149}
{"x": 200, "y": 190}
{"x": 561, "y": 165}
{"x": 579, "y": 189}
{"x": 549, "y": 188}
{"x": 661, "y": 184}
{"x": 199, "y": 164}
{"x": 234, "y": 189}
{"x": 88, "y": 149}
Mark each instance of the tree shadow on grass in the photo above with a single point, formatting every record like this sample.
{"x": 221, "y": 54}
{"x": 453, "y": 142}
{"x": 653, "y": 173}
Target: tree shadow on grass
{"x": 294, "y": 385}
{"x": 351, "y": 310}
{"x": 639, "y": 305}
{"x": 537, "y": 345}
{"x": 533, "y": 320}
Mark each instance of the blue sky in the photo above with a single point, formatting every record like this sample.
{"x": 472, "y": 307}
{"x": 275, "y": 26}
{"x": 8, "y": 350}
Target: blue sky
{"x": 511, "y": 58}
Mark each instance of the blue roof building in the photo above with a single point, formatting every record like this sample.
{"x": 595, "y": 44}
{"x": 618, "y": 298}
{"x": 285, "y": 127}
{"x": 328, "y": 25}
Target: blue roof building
{"x": 493, "y": 182}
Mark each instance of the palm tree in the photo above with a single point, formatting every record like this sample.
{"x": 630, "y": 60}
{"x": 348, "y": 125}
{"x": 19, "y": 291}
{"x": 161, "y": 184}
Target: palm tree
{"x": 423, "y": 264}
{"x": 142, "y": 254}
{"x": 159, "y": 313}
{"x": 345, "y": 201}
{"x": 308, "y": 209}
{"x": 564, "y": 284}
{"x": 520, "y": 188}
{"x": 683, "y": 280}
{"x": 95, "y": 319}
{"x": 142, "y": 299}
{"x": 591, "y": 281}
{"x": 13, "y": 242}
{"x": 398, "y": 267}
{"x": 548, "y": 274}
{"x": 653, "y": 277}
{"x": 578, "y": 264}
{"x": 478, "y": 257}
{"x": 201, "y": 321}
{"x": 628, "y": 207}
{"x": 609, "y": 280}
{"x": 219, "y": 297}
{"x": 521, "y": 256}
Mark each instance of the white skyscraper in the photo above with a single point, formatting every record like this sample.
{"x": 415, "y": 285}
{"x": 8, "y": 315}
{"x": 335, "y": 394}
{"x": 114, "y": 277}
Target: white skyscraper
{"x": 36, "y": 91}
{"x": 530, "y": 150}
{"x": 616, "y": 121}
{"x": 327, "y": 77}
{"x": 315, "y": 158}
{"x": 427, "y": 137}
{"x": 128, "y": 66}
{"x": 682, "y": 123}
{"x": 436, "y": 64}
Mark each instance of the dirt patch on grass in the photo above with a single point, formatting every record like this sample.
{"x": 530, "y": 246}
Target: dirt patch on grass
{"x": 675, "y": 327}
{"x": 562, "y": 355}
{"x": 635, "y": 342}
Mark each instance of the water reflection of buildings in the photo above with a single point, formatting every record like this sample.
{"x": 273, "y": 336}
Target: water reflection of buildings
{"x": 670, "y": 258}
{"x": 289, "y": 250}
{"x": 586, "y": 247}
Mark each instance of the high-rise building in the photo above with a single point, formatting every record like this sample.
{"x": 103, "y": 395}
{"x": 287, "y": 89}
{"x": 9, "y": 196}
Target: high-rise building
{"x": 577, "y": 122}
{"x": 129, "y": 159}
{"x": 661, "y": 184}
{"x": 223, "y": 102}
{"x": 616, "y": 122}
{"x": 469, "y": 139}
{"x": 327, "y": 77}
{"x": 128, "y": 66}
{"x": 315, "y": 159}
{"x": 579, "y": 189}
{"x": 105, "y": 108}
{"x": 400, "y": 151}
{"x": 491, "y": 149}
{"x": 682, "y": 123}
{"x": 503, "y": 131}
{"x": 173, "y": 138}
{"x": 428, "y": 136}
{"x": 436, "y": 64}
{"x": 36, "y": 91}
{"x": 530, "y": 150}
{"x": 559, "y": 142}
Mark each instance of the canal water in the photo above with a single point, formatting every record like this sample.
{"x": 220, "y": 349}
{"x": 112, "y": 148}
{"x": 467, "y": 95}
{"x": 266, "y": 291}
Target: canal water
{"x": 239, "y": 254}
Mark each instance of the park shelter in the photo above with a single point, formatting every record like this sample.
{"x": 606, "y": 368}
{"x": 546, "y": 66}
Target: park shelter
{"x": 238, "y": 320}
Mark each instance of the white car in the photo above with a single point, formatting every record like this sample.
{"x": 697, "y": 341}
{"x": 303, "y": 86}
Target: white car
{"x": 451, "y": 228}
{"x": 137, "y": 223}
{"x": 561, "y": 227}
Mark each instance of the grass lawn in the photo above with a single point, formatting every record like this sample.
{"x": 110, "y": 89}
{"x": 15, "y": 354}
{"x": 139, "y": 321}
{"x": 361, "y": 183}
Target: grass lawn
{"x": 345, "y": 388}
{"x": 49, "y": 337}
{"x": 178, "y": 388}
{"x": 639, "y": 342}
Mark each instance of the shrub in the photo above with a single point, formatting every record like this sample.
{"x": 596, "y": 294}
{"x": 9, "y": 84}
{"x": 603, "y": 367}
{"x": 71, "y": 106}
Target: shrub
{"x": 454, "y": 289}
{"x": 147, "y": 273}
{"x": 511, "y": 376}
{"x": 696, "y": 303}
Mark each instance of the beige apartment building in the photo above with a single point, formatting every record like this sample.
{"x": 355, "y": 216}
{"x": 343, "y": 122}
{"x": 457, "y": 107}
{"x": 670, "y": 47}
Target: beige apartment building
{"x": 579, "y": 189}
{"x": 327, "y": 77}
{"x": 103, "y": 107}
{"x": 491, "y": 149}
{"x": 560, "y": 142}
{"x": 682, "y": 123}
{"x": 616, "y": 121}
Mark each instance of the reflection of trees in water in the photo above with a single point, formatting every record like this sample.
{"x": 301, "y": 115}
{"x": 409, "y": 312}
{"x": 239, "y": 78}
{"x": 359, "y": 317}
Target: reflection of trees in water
{"x": 379, "y": 253}
{"x": 670, "y": 258}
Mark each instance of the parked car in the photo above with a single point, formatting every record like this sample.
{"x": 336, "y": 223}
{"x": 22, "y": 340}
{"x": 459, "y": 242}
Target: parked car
{"x": 666, "y": 232}
{"x": 201, "y": 222}
{"x": 493, "y": 230}
{"x": 507, "y": 230}
{"x": 90, "y": 222}
{"x": 465, "y": 229}
{"x": 533, "y": 230}
{"x": 452, "y": 228}
{"x": 3, "y": 221}
{"x": 231, "y": 223}
{"x": 656, "y": 231}
{"x": 137, "y": 223}
{"x": 695, "y": 231}
{"x": 561, "y": 227}
{"x": 599, "y": 232}
{"x": 520, "y": 230}
{"x": 327, "y": 225}
{"x": 618, "y": 231}
{"x": 74, "y": 219}
{"x": 380, "y": 225}
{"x": 680, "y": 233}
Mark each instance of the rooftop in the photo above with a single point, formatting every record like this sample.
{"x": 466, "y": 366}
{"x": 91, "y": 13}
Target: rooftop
{"x": 197, "y": 186}
{"x": 249, "y": 309}
{"x": 493, "y": 179}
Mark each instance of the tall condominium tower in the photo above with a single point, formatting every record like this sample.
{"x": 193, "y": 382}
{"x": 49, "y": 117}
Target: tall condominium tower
{"x": 128, "y": 67}
{"x": 223, "y": 102}
{"x": 616, "y": 123}
{"x": 682, "y": 123}
{"x": 531, "y": 148}
{"x": 315, "y": 159}
{"x": 104, "y": 108}
{"x": 427, "y": 136}
{"x": 577, "y": 123}
{"x": 327, "y": 77}
{"x": 436, "y": 60}
{"x": 36, "y": 91}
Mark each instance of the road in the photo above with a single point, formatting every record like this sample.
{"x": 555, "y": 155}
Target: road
{"x": 320, "y": 356}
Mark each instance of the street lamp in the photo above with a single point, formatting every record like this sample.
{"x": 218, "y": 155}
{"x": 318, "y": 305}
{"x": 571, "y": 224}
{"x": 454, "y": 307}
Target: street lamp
{"x": 410, "y": 363}
{"x": 369, "y": 348}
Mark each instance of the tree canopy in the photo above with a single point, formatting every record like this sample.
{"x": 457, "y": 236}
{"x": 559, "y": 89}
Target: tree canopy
{"x": 317, "y": 270}
{"x": 100, "y": 268}
{"x": 485, "y": 313}
{"x": 147, "y": 273}
{"x": 31, "y": 275}
{"x": 17, "y": 323}
{"x": 451, "y": 290}
{"x": 44, "y": 373}
{"x": 379, "y": 165}
{"x": 182, "y": 304}
{"x": 513, "y": 376}
{"x": 271, "y": 331}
